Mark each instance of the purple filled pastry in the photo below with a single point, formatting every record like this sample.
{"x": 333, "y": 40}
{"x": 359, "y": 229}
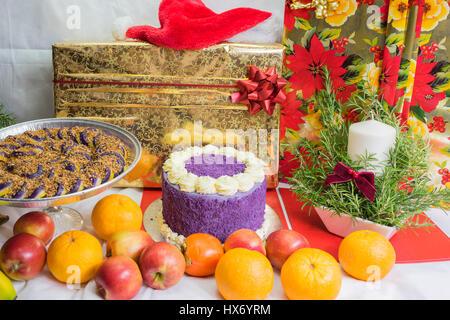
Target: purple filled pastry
{"x": 213, "y": 193}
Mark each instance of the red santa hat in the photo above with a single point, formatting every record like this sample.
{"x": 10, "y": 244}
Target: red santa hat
{"x": 189, "y": 24}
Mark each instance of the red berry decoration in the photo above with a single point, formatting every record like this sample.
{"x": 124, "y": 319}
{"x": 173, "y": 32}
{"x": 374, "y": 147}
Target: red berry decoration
{"x": 434, "y": 46}
{"x": 376, "y": 59}
{"x": 437, "y": 125}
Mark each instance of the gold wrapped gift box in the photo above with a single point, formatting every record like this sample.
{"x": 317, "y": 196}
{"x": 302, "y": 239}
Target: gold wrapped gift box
{"x": 168, "y": 97}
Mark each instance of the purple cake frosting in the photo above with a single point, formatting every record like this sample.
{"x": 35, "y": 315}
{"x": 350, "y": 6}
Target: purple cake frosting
{"x": 214, "y": 165}
{"x": 191, "y": 212}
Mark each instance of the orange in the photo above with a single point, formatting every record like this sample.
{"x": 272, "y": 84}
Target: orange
{"x": 74, "y": 257}
{"x": 202, "y": 253}
{"x": 311, "y": 274}
{"x": 243, "y": 274}
{"x": 366, "y": 255}
{"x": 114, "y": 213}
{"x": 143, "y": 167}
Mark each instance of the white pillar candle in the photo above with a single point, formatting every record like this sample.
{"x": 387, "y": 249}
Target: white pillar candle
{"x": 371, "y": 137}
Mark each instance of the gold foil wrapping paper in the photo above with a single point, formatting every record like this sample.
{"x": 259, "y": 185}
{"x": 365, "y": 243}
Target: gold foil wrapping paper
{"x": 168, "y": 97}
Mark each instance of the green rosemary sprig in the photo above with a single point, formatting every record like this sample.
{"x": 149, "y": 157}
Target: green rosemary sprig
{"x": 403, "y": 189}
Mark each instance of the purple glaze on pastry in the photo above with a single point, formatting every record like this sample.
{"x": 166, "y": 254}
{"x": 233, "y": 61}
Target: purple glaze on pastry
{"x": 191, "y": 212}
{"x": 214, "y": 165}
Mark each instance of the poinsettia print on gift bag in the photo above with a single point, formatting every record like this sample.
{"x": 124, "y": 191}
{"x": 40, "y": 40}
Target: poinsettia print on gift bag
{"x": 395, "y": 47}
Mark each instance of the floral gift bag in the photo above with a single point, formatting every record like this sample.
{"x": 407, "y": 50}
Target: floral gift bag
{"x": 397, "y": 47}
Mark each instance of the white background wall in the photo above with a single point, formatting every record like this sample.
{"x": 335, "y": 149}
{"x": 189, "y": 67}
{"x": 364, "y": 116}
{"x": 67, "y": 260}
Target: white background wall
{"x": 28, "y": 28}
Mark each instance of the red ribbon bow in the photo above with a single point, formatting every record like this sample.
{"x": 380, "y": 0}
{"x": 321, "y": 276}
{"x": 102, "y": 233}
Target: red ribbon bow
{"x": 261, "y": 91}
{"x": 364, "y": 181}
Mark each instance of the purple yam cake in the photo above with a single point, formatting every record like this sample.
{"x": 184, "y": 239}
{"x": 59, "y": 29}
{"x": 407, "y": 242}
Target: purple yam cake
{"x": 213, "y": 190}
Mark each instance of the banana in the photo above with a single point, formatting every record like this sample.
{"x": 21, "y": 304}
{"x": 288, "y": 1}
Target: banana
{"x": 7, "y": 291}
{"x": 3, "y": 219}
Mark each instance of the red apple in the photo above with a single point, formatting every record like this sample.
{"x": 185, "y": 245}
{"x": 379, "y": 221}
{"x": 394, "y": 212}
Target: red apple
{"x": 128, "y": 243}
{"x": 244, "y": 238}
{"x": 162, "y": 265}
{"x": 118, "y": 278}
{"x": 282, "y": 243}
{"x": 36, "y": 223}
{"x": 22, "y": 256}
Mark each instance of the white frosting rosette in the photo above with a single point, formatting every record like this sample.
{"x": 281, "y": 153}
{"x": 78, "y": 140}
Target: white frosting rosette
{"x": 255, "y": 172}
{"x": 177, "y": 174}
{"x": 245, "y": 181}
{"x": 206, "y": 185}
{"x": 187, "y": 182}
{"x": 226, "y": 185}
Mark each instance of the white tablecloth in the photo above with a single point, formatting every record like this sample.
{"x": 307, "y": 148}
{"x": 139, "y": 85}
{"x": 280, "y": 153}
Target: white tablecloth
{"x": 429, "y": 280}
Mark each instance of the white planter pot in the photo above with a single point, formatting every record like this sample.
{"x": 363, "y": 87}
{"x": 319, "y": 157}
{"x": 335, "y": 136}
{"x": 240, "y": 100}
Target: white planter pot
{"x": 342, "y": 225}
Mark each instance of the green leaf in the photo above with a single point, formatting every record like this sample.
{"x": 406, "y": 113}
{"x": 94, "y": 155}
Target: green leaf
{"x": 441, "y": 165}
{"x": 329, "y": 34}
{"x": 424, "y": 38}
{"x": 439, "y": 84}
{"x": 418, "y": 113}
{"x": 403, "y": 73}
{"x": 354, "y": 74}
{"x": 294, "y": 134}
{"x": 352, "y": 60}
{"x": 368, "y": 42}
{"x": 289, "y": 46}
{"x": 441, "y": 69}
{"x": 307, "y": 36}
{"x": 287, "y": 73}
{"x": 302, "y": 24}
{"x": 395, "y": 38}
{"x": 374, "y": 41}
{"x": 404, "y": 64}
